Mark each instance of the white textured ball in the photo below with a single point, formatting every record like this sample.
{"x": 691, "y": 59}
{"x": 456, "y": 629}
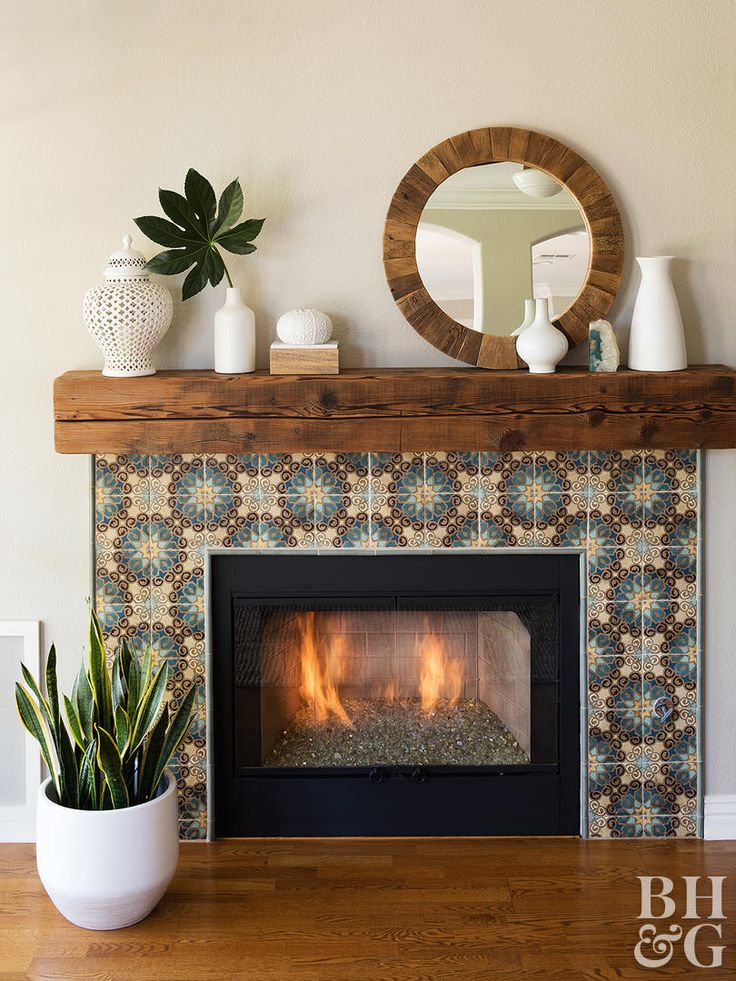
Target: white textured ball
{"x": 304, "y": 327}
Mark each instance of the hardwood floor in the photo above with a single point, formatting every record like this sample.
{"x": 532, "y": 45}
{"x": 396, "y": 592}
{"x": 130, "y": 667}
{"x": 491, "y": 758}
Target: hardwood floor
{"x": 375, "y": 910}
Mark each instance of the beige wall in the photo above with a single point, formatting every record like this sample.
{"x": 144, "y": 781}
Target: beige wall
{"x": 321, "y": 106}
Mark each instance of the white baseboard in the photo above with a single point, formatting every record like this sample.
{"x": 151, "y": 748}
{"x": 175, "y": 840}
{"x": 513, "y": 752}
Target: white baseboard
{"x": 720, "y": 817}
{"x": 17, "y": 831}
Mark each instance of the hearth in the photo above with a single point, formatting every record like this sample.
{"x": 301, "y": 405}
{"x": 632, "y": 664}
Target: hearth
{"x": 396, "y": 694}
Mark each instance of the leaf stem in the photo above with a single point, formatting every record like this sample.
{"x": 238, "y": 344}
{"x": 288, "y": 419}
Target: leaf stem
{"x": 229, "y": 281}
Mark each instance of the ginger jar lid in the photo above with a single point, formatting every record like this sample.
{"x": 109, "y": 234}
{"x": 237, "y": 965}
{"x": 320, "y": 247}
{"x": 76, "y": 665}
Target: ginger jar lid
{"x": 126, "y": 264}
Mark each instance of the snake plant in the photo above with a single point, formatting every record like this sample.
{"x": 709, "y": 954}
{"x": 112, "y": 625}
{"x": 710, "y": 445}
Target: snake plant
{"x": 118, "y": 736}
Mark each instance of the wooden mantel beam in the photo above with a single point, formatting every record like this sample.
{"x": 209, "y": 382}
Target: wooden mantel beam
{"x": 395, "y": 409}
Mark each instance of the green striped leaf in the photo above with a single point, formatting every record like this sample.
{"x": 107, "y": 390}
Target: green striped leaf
{"x": 30, "y": 716}
{"x": 122, "y": 729}
{"x": 99, "y": 676}
{"x": 69, "y": 774}
{"x": 177, "y": 731}
{"x": 85, "y": 704}
{"x": 87, "y": 783}
{"x": 118, "y": 685}
{"x": 125, "y": 655}
{"x": 154, "y": 745}
{"x": 150, "y": 707}
{"x": 31, "y": 682}
{"x": 134, "y": 682}
{"x": 52, "y": 691}
{"x": 74, "y": 725}
{"x": 109, "y": 761}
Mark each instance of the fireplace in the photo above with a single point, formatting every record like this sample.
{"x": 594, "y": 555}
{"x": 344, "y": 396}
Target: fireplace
{"x": 425, "y": 693}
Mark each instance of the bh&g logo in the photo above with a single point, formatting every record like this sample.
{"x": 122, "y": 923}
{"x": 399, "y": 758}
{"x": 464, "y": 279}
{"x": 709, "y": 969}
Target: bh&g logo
{"x": 655, "y": 948}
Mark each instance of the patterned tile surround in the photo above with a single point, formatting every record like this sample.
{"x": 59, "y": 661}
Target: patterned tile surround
{"x": 634, "y": 515}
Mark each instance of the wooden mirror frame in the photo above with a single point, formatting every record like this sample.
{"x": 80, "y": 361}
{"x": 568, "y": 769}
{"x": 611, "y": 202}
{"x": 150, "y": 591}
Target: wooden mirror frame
{"x": 496, "y": 144}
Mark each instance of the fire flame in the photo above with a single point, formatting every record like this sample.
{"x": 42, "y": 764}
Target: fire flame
{"x": 441, "y": 676}
{"x": 321, "y": 675}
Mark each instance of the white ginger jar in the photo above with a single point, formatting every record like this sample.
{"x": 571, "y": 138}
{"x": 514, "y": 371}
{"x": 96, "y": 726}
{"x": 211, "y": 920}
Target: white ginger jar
{"x": 304, "y": 327}
{"x": 127, "y": 316}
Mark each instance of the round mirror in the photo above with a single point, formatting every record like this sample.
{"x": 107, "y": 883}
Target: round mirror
{"x": 492, "y": 236}
{"x": 493, "y": 217}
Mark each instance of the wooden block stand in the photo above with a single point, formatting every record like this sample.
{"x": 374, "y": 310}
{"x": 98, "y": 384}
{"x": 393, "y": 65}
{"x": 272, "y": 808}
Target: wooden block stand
{"x": 312, "y": 359}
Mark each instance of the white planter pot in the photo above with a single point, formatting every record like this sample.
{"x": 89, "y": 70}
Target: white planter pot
{"x": 107, "y": 869}
{"x": 657, "y": 340}
{"x": 235, "y": 336}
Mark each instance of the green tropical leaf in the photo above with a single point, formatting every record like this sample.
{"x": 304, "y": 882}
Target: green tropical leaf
{"x": 201, "y": 196}
{"x": 122, "y": 729}
{"x": 109, "y": 761}
{"x": 174, "y": 261}
{"x": 87, "y": 782}
{"x": 75, "y": 726}
{"x": 239, "y": 238}
{"x": 154, "y": 746}
{"x": 52, "y": 691}
{"x": 229, "y": 209}
{"x": 181, "y": 213}
{"x": 166, "y": 232}
{"x": 126, "y": 656}
{"x": 214, "y": 266}
{"x": 30, "y": 716}
{"x": 177, "y": 731}
{"x": 149, "y": 708}
{"x": 134, "y": 681}
{"x": 196, "y": 281}
{"x": 99, "y": 676}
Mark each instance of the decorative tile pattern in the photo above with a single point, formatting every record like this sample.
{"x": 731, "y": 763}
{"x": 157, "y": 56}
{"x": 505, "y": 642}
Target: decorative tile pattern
{"x": 634, "y": 514}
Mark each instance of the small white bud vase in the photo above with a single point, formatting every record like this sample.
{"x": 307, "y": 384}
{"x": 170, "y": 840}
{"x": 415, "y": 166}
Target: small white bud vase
{"x": 528, "y": 318}
{"x": 235, "y": 336}
{"x": 541, "y": 344}
{"x": 127, "y": 316}
{"x": 657, "y": 340}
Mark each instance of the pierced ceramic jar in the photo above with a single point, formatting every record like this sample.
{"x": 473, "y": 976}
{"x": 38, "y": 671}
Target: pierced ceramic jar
{"x": 127, "y": 316}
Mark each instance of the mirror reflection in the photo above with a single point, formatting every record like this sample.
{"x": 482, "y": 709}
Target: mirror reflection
{"x": 492, "y": 236}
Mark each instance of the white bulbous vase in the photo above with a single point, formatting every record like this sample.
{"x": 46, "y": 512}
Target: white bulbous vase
{"x": 235, "y": 336}
{"x": 657, "y": 339}
{"x": 541, "y": 344}
{"x": 105, "y": 870}
{"x": 528, "y": 318}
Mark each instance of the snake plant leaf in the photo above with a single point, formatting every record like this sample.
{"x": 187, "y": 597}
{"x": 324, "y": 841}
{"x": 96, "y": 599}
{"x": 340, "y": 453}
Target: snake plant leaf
{"x": 75, "y": 726}
{"x": 122, "y": 729}
{"x": 98, "y": 674}
{"x": 145, "y": 673}
{"x": 166, "y": 232}
{"x": 196, "y": 280}
{"x": 30, "y": 716}
{"x": 175, "y": 261}
{"x": 150, "y": 706}
{"x": 119, "y": 683}
{"x": 176, "y": 733}
{"x": 109, "y": 761}
{"x": 52, "y": 690}
{"x": 36, "y": 691}
{"x": 87, "y": 782}
{"x": 201, "y": 196}
{"x": 68, "y": 771}
{"x": 85, "y": 704}
{"x": 229, "y": 209}
{"x": 126, "y": 656}
{"x": 239, "y": 239}
{"x": 147, "y": 784}
{"x": 181, "y": 212}
{"x": 134, "y": 681}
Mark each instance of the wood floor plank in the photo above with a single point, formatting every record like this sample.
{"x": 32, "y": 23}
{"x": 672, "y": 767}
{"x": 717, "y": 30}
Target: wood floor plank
{"x": 362, "y": 910}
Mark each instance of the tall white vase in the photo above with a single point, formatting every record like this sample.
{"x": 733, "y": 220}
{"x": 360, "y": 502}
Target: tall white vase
{"x": 541, "y": 345}
{"x": 235, "y": 336}
{"x": 657, "y": 340}
{"x": 528, "y": 318}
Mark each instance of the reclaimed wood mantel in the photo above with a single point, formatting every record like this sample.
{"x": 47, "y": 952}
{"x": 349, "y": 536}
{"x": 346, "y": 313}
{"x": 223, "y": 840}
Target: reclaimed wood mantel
{"x": 395, "y": 409}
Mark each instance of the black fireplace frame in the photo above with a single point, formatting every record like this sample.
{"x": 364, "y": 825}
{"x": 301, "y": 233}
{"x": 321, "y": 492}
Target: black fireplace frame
{"x": 533, "y": 799}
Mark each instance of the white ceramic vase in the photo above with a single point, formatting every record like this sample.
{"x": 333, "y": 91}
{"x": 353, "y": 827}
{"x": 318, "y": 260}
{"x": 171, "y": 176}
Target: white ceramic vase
{"x": 528, "y": 318}
{"x": 235, "y": 336}
{"x": 104, "y": 870}
{"x": 657, "y": 340}
{"x": 541, "y": 344}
